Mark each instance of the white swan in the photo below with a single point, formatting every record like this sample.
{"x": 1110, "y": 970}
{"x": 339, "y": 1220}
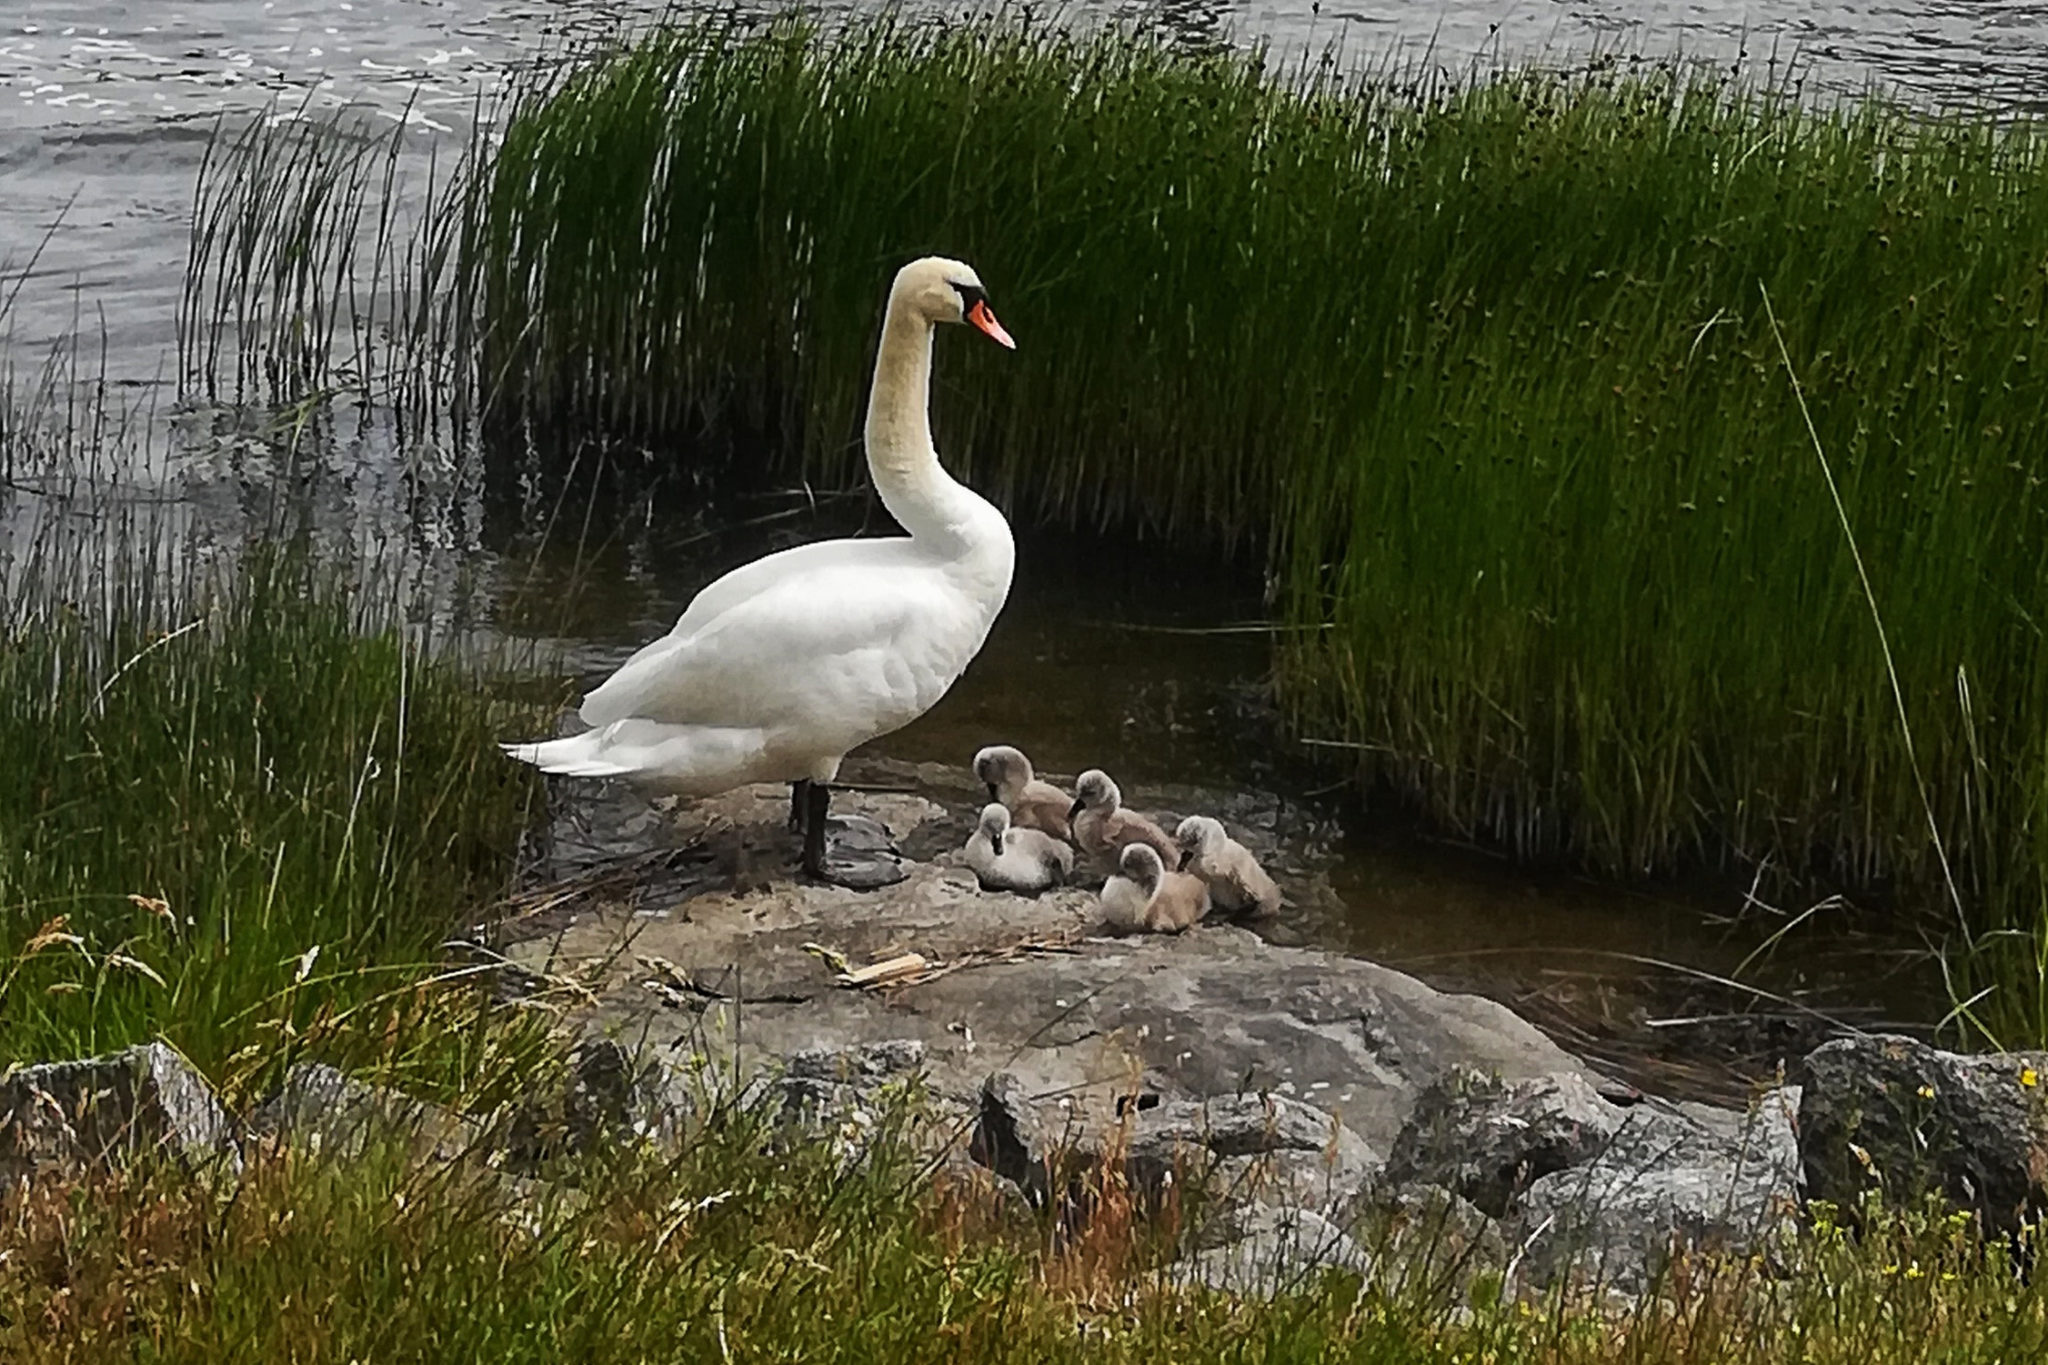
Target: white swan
{"x": 777, "y": 669}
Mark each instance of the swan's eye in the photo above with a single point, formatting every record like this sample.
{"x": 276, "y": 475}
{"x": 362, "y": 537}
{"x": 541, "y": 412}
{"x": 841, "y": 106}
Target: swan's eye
{"x": 970, "y": 294}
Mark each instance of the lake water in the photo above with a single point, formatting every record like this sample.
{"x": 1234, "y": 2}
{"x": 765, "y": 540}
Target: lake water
{"x": 108, "y": 110}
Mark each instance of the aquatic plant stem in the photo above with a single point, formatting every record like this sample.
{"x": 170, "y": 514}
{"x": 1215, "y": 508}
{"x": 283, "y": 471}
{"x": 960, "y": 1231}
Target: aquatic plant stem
{"x": 1876, "y": 617}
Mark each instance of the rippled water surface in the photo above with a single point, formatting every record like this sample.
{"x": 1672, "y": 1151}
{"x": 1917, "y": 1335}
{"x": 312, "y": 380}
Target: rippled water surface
{"x": 108, "y": 106}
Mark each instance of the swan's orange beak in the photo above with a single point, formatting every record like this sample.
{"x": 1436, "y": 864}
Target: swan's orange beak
{"x": 981, "y": 317}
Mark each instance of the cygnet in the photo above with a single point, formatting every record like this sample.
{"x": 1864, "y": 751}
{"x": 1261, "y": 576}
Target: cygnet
{"x": 1237, "y": 884}
{"x": 1006, "y": 859}
{"x": 1144, "y": 896}
{"x": 1103, "y": 829}
{"x": 1033, "y": 804}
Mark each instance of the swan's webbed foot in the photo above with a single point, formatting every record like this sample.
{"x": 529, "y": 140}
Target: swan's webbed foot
{"x": 863, "y": 860}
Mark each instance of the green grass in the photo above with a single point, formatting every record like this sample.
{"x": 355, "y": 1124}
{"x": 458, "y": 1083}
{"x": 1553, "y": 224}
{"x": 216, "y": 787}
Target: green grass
{"x": 748, "y": 1249}
{"x": 1483, "y": 368}
{"x": 242, "y": 805}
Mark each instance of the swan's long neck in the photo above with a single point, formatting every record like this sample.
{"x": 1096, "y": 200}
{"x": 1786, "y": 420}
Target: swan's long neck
{"x": 914, "y": 487}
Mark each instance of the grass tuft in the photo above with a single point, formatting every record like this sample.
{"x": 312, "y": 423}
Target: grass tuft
{"x": 243, "y": 805}
{"x": 752, "y": 1247}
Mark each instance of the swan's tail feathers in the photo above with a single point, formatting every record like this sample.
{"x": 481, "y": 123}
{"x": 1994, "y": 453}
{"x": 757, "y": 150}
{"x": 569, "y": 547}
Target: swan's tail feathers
{"x": 689, "y": 760}
{"x": 574, "y": 756}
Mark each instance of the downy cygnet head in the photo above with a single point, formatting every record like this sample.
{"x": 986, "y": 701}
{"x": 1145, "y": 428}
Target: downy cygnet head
{"x": 1142, "y": 864}
{"x": 942, "y": 290}
{"x": 999, "y": 764}
{"x": 1199, "y": 834}
{"x": 1094, "y": 789}
{"x": 995, "y": 823}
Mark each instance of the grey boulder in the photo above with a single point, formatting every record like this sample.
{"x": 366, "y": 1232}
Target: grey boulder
{"x": 610, "y": 1095}
{"x": 1280, "y": 1250}
{"x": 326, "y": 1111}
{"x": 102, "y": 1111}
{"x": 1667, "y": 1183}
{"x": 1487, "y": 1139}
{"x": 1265, "y": 1149}
{"x": 1895, "y": 1114}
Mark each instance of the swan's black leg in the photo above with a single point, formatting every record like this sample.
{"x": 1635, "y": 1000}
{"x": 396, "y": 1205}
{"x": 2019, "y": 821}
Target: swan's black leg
{"x": 817, "y": 800}
{"x": 799, "y": 793}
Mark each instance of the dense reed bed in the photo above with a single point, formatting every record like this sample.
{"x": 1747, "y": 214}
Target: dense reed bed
{"x": 1483, "y": 366}
{"x": 243, "y": 805}
{"x": 750, "y": 1248}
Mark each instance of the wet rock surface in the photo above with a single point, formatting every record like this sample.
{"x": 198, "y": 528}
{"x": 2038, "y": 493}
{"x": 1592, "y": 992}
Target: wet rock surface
{"x": 1284, "y": 1080}
{"x": 1019, "y": 985}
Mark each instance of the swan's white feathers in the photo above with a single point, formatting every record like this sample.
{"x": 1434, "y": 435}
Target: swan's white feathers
{"x": 798, "y": 653}
{"x": 800, "y": 567}
{"x": 692, "y": 760}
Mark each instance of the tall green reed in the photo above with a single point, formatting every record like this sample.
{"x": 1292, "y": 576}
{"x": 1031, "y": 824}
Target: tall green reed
{"x": 325, "y": 262}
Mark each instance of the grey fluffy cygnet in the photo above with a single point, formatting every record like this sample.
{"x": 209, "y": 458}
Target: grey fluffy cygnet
{"x": 1032, "y": 804}
{"x": 1237, "y": 884}
{"x": 1144, "y": 897}
{"x": 1103, "y": 829}
{"x": 1006, "y": 859}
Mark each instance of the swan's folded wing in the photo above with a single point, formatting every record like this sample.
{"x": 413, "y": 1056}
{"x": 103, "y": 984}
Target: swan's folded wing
{"x": 838, "y": 641}
{"x": 611, "y": 699}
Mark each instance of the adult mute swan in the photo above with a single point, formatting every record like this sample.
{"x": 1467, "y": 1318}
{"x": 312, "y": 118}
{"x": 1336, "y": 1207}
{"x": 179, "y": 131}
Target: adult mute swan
{"x": 776, "y": 670}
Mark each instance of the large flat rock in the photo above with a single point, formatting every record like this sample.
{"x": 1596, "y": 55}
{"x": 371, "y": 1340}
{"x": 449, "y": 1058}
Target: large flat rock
{"x": 1030, "y": 990}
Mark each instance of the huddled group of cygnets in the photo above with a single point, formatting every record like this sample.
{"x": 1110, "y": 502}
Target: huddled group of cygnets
{"x": 1031, "y": 833}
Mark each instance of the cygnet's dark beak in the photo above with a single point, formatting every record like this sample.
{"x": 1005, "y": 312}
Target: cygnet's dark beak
{"x": 996, "y": 842}
{"x": 1075, "y": 809}
{"x": 991, "y": 791}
